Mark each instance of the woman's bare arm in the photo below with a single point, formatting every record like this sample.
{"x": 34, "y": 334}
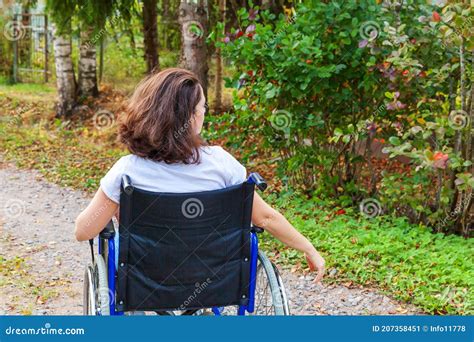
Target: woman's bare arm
{"x": 272, "y": 221}
{"x": 95, "y": 217}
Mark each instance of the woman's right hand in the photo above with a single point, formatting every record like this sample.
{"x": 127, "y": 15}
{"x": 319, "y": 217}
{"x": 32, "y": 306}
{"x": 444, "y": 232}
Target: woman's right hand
{"x": 316, "y": 263}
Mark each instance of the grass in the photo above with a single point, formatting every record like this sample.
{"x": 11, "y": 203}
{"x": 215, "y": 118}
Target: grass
{"x": 408, "y": 262}
{"x": 36, "y": 88}
{"x": 15, "y": 272}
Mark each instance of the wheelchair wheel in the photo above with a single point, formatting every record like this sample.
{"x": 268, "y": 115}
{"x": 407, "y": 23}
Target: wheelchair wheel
{"x": 89, "y": 300}
{"x": 96, "y": 289}
{"x": 270, "y": 295}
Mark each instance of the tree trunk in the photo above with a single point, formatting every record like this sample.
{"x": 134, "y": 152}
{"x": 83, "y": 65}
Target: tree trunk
{"x": 87, "y": 76}
{"x": 150, "y": 35}
{"x": 218, "y": 80}
{"x": 193, "y": 19}
{"x": 166, "y": 21}
{"x": 66, "y": 82}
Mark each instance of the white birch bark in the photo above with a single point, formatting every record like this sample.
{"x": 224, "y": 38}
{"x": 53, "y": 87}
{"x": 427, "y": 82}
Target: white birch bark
{"x": 66, "y": 83}
{"x": 87, "y": 76}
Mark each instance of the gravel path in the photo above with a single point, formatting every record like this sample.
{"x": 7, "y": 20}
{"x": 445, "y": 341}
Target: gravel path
{"x": 41, "y": 264}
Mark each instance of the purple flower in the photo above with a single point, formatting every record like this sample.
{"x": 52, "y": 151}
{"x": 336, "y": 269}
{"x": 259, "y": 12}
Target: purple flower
{"x": 253, "y": 14}
{"x": 395, "y": 105}
{"x": 372, "y": 127}
{"x": 397, "y": 125}
{"x": 250, "y": 28}
{"x": 227, "y": 39}
{"x": 363, "y": 43}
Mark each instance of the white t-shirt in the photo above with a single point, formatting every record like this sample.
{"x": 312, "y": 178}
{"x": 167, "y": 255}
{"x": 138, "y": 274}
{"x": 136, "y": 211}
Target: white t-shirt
{"x": 217, "y": 170}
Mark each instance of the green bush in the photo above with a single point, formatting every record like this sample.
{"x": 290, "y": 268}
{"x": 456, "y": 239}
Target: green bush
{"x": 322, "y": 84}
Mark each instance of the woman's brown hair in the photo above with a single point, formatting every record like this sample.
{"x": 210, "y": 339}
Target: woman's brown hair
{"x": 159, "y": 117}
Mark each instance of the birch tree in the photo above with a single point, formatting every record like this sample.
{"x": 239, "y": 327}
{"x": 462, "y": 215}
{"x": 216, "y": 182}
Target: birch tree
{"x": 193, "y": 18}
{"x": 65, "y": 79}
{"x": 87, "y": 79}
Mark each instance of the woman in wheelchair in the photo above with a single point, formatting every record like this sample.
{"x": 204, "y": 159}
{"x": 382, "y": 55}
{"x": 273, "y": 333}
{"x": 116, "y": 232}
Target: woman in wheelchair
{"x": 187, "y": 217}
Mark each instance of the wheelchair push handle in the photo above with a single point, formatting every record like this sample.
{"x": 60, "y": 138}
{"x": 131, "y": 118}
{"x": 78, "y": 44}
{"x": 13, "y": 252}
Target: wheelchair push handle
{"x": 258, "y": 180}
{"x": 127, "y": 184}
{"x": 108, "y": 232}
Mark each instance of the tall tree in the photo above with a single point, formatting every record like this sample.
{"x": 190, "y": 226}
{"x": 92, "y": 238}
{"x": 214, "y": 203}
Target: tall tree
{"x": 61, "y": 13}
{"x": 218, "y": 79}
{"x": 150, "y": 35}
{"x": 166, "y": 20}
{"x": 91, "y": 16}
{"x": 193, "y": 18}
{"x": 87, "y": 78}
{"x": 65, "y": 79}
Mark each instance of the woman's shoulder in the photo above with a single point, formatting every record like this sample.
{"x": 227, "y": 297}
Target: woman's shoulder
{"x": 216, "y": 152}
{"x": 235, "y": 170}
{"x": 125, "y": 160}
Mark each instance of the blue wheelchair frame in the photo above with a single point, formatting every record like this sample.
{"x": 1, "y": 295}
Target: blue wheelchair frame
{"x": 254, "y": 178}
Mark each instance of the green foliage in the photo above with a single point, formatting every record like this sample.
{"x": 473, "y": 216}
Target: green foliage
{"x": 432, "y": 271}
{"x": 124, "y": 66}
{"x": 434, "y": 130}
{"x": 304, "y": 79}
{"x": 322, "y": 85}
{"x": 91, "y": 13}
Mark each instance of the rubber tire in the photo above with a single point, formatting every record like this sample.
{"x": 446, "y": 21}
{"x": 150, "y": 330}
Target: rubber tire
{"x": 88, "y": 298}
{"x": 103, "y": 286}
{"x": 278, "y": 297}
{"x": 96, "y": 290}
{"x": 286, "y": 306}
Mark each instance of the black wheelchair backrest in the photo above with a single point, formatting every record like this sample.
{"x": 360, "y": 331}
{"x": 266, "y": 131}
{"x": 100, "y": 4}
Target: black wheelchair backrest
{"x": 183, "y": 250}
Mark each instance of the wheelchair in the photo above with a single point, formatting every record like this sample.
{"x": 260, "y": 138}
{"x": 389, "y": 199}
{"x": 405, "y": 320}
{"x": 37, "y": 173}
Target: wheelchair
{"x": 183, "y": 254}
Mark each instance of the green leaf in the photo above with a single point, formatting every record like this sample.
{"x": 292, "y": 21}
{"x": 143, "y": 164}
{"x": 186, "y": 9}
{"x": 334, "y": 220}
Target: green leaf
{"x": 394, "y": 141}
{"x": 270, "y": 93}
